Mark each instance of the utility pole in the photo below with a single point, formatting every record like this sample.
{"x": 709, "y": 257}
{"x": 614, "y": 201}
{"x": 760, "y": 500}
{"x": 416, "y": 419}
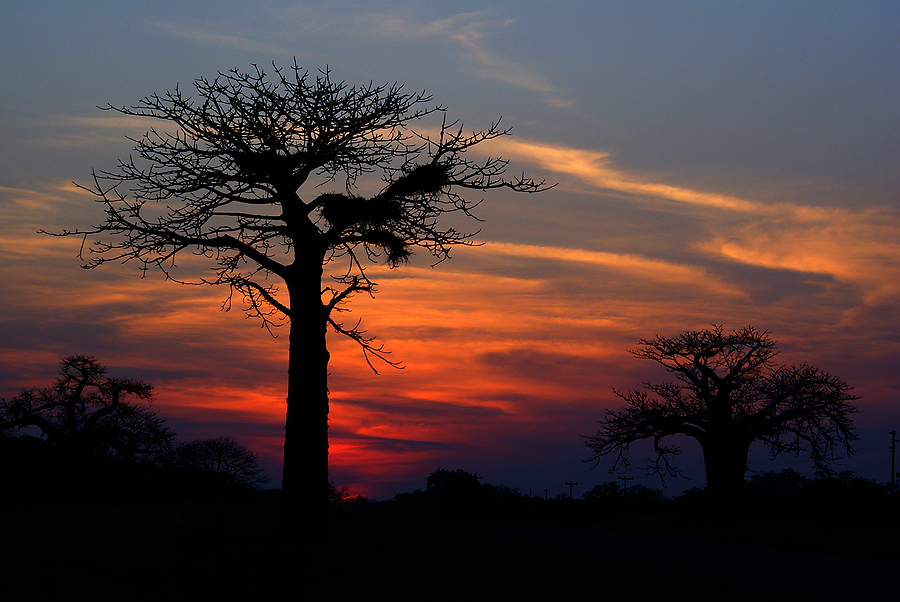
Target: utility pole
{"x": 625, "y": 483}
{"x": 893, "y": 449}
{"x": 571, "y": 486}
{"x": 546, "y": 491}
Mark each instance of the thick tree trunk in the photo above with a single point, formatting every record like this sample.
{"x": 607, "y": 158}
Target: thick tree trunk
{"x": 305, "y": 477}
{"x": 725, "y": 458}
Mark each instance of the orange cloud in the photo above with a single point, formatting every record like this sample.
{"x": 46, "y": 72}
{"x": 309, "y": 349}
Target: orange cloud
{"x": 629, "y": 264}
{"x": 858, "y": 247}
{"x": 593, "y": 168}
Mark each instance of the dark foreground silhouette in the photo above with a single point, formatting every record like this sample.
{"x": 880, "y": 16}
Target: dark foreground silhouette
{"x": 787, "y": 538}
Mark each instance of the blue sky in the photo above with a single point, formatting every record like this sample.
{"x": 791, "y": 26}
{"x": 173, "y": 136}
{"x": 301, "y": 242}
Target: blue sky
{"x": 721, "y": 162}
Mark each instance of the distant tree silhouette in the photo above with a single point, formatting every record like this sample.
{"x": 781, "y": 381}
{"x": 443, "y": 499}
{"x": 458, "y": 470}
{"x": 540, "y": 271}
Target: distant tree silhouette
{"x": 340, "y": 496}
{"x": 644, "y": 493}
{"x": 453, "y": 483}
{"x": 604, "y": 491}
{"x": 827, "y": 488}
{"x": 786, "y": 481}
{"x": 458, "y": 493}
{"x": 222, "y": 180}
{"x": 222, "y": 458}
{"x": 88, "y": 412}
{"x": 727, "y": 393}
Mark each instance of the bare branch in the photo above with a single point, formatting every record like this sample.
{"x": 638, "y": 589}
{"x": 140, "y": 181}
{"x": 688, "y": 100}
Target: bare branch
{"x": 252, "y": 140}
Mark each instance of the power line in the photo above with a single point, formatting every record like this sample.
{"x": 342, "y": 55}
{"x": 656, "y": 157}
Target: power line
{"x": 893, "y": 449}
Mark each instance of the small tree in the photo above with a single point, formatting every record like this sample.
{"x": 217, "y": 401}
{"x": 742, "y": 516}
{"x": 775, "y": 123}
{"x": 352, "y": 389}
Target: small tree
{"x": 88, "y": 412}
{"x": 453, "y": 483}
{"x": 604, "y": 491}
{"x": 223, "y": 458}
{"x": 727, "y": 393}
{"x": 340, "y": 496}
{"x": 224, "y": 181}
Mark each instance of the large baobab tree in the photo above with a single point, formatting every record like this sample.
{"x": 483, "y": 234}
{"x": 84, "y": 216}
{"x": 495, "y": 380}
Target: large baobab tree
{"x": 273, "y": 177}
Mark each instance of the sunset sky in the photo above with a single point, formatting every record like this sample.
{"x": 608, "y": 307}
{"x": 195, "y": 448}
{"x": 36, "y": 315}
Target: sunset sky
{"x": 717, "y": 162}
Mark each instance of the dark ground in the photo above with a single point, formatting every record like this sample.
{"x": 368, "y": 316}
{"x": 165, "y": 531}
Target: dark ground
{"x": 568, "y": 550}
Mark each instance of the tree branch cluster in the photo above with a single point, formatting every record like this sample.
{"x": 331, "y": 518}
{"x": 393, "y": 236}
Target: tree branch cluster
{"x": 727, "y": 386}
{"x": 227, "y": 175}
{"x": 87, "y": 412}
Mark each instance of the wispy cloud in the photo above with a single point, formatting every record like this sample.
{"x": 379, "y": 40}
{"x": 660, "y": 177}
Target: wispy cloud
{"x": 861, "y": 248}
{"x": 401, "y": 26}
{"x": 858, "y": 246}
{"x": 471, "y": 36}
{"x": 593, "y": 168}
{"x": 205, "y": 35}
{"x": 106, "y": 130}
{"x": 469, "y": 32}
{"x": 655, "y": 270}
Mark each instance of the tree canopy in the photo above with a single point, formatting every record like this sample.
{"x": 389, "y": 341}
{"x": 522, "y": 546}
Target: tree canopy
{"x": 274, "y": 177}
{"x": 222, "y": 458}
{"x": 221, "y": 178}
{"x": 86, "y": 411}
{"x": 727, "y": 393}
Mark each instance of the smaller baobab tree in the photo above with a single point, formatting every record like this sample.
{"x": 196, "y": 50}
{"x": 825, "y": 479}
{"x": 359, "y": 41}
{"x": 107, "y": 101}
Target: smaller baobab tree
{"x": 727, "y": 393}
{"x": 85, "y": 412}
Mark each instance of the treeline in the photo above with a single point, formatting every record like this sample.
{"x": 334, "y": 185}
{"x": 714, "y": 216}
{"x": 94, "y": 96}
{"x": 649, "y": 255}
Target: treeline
{"x": 835, "y": 513}
{"x": 458, "y": 493}
{"x": 92, "y": 438}
{"x": 34, "y": 472}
